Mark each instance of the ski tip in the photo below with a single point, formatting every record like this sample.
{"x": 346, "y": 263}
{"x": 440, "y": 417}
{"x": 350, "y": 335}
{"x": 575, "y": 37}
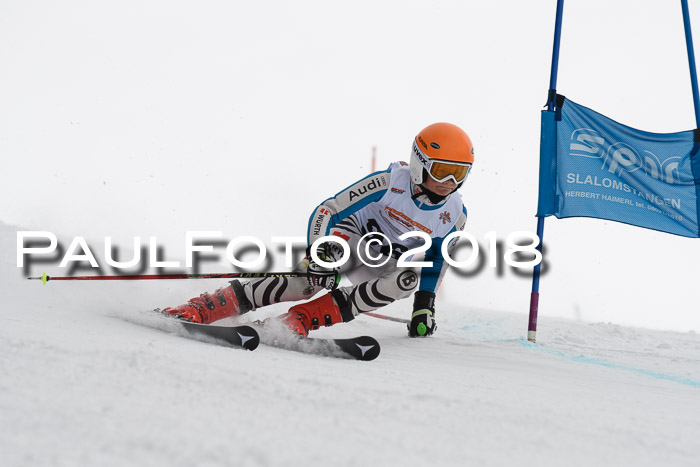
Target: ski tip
{"x": 363, "y": 348}
{"x": 253, "y": 345}
{"x": 244, "y": 336}
{"x": 249, "y": 337}
{"x": 368, "y": 348}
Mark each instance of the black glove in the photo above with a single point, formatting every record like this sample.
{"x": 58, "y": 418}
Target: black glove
{"x": 320, "y": 276}
{"x": 423, "y": 318}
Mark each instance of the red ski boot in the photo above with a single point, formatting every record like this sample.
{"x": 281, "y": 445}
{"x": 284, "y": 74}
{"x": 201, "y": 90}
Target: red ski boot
{"x": 207, "y": 308}
{"x": 308, "y": 316}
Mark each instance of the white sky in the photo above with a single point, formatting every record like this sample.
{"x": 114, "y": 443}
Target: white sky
{"x": 152, "y": 118}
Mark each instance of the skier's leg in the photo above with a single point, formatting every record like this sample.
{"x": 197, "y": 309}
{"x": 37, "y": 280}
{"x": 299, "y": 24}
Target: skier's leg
{"x": 343, "y": 304}
{"x": 239, "y": 298}
{"x": 392, "y": 284}
{"x": 263, "y": 292}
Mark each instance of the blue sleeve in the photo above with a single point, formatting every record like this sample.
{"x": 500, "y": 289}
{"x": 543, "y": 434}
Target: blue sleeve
{"x": 430, "y": 277}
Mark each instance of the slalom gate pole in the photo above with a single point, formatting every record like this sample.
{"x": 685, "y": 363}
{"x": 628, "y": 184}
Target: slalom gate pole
{"x": 691, "y": 60}
{"x": 388, "y": 318}
{"x": 535, "y": 294}
{"x": 139, "y": 277}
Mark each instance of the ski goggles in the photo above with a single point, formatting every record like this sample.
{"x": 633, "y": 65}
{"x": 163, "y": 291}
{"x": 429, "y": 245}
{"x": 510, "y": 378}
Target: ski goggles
{"x": 441, "y": 171}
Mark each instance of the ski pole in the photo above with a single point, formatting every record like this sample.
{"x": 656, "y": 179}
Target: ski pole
{"x": 134, "y": 277}
{"x": 388, "y": 318}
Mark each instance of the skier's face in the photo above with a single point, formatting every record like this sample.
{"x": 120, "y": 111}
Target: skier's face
{"x": 440, "y": 188}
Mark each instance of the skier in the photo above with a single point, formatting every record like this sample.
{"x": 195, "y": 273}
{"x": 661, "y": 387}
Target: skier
{"x": 417, "y": 197}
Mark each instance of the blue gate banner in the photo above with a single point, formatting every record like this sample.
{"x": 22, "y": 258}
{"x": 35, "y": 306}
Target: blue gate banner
{"x": 592, "y": 166}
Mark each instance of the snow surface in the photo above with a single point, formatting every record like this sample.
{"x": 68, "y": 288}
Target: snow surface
{"x": 87, "y": 380}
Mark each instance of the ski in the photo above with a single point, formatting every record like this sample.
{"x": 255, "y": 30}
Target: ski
{"x": 364, "y": 348}
{"x": 239, "y": 336}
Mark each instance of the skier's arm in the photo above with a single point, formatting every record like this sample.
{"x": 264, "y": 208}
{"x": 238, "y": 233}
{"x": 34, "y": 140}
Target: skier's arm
{"x": 431, "y": 277}
{"x": 423, "y": 318}
{"x": 346, "y": 202}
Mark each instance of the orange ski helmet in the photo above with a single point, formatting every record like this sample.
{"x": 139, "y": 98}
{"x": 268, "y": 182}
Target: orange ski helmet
{"x": 442, "y": 151}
